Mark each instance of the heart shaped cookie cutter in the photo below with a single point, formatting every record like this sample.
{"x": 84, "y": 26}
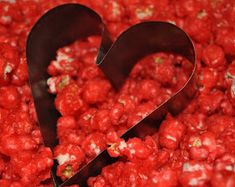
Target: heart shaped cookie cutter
{"x": 67, "y": 23}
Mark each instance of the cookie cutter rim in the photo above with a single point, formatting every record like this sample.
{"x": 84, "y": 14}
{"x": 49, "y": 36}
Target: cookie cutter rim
{"x": 102, "y": 56}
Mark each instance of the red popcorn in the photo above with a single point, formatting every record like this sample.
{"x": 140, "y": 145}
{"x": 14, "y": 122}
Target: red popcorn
{"x": 129, "y": 103}
{"x": 199, "y": 26}
{"x": 108, "y": 172}
{"x": 218, "y": 123}
{"x": 68, "y": 101}
{"x": 224, "y": 171}
{"x": 65, "y": 123}
{"x": 29, "y": 165}
{"x": 141, "y": 12}
{"x": 95, "y": 91}
{"x": 194, "y": 122}
{"x": 8, "y": 62}
{"x": 208, "y": 79}
{"x": 69, "y": 158}
{"x": 202, "y": 147}
{"x": 20, "y": 75}
{"x": 16, "y": 143}
{"x": 19, "y": 123}
{"x": 115, "y": 11}
{"x": 225, "y": 163}
{"x": 135, "y": 149}
{"x": 117, "y": 114}
{"x": 161, "y": 68}
{"x": 223, "y": 180}
{"x": 9, "y": 14}
{"x": 226, "y": 38}
{"x": 101, "y": 121}
{"x": 195, "y": 173}
{"x": 64, "y": 64}
{"x": 195, "y": 148}
{"x": 213, "y": 56}
{"x": 149, "y": 89}
{"x": 208, "y": 105}
{"x": 227, "y": 108}
{"x": 186, "y": 8}
{"x": 84, "y": 121}
{"x": 9, "y": 97}
{"x": 93, "y": 144}
{"x": 228, "y": 138}
{"x": 30, "y": 11}
{"x": 170, "y": 133}
{"x": 116, "y": 28}
{"x": 6, "y": 183}
{"x": 167, "y": 177}
{"x": 58, "y": 83}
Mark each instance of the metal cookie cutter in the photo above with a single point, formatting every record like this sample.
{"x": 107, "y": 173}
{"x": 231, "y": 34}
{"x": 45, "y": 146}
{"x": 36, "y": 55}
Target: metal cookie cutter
{"x": 67, "y": 23}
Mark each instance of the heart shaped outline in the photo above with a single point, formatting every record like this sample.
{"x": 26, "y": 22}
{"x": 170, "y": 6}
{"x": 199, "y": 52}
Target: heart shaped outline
{"x": 42, "y": 40}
